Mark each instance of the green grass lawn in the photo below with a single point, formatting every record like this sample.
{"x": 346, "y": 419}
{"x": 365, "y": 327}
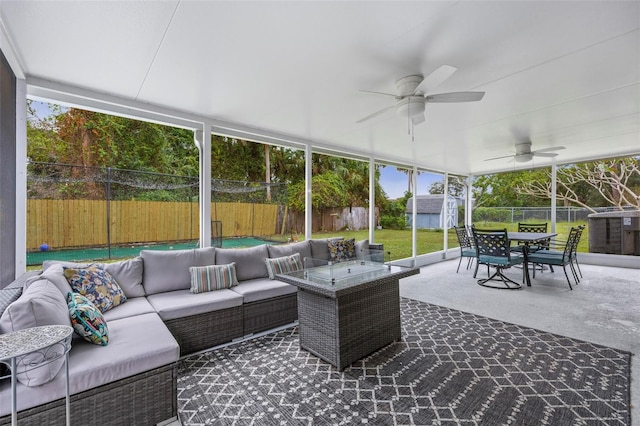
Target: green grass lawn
{"x": 398, "y": 241}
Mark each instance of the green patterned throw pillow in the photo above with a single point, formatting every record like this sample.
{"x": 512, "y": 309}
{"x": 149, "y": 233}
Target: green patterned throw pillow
{"x": 87, "y": 320}
{"x": 212, "y": 277}
{"x": 97, "y": 285}
{"x": 282, "y": 265}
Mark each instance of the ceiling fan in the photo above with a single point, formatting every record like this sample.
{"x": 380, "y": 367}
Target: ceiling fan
{"x": 412, "y": 95}
{"x": 524, "y": 153}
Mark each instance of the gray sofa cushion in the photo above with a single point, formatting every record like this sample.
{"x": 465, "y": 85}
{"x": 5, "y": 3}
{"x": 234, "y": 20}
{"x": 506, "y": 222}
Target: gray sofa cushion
{"x": 281, "y": 250}
{"x": 249, "y": 261}
{"x": 169, "y": 270}
{"x": 133, "y": 307}
{"x": 55, "y": 274}
{"x": 137, "y": 344}
{"x": 40, "y": 304}
{"x": 128, "y": 274}
{"x": 183, "y": 303}
{"x": 263, "y": 288}
{"x": 49, "y": 263}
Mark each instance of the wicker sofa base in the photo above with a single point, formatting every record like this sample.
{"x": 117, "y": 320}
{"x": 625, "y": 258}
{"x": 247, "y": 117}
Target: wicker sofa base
{"x": 203, "y": 331}
{"x": 144, "y": 399}
{"x": 270, "y": 313}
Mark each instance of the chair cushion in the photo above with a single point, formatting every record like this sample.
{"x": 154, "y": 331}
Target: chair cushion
{"x": 261, "y": 289}
{"x": 249, "y": 261}
{"x": 468, "y": 253}
{"x": 284, "y": 264}
{"x": 548, "y": 258}
{"x": 97, "y": 285}
{"x": 87, "y": 320}
{"x": 169, "y": 270}
{"x": 183, "y": 303}
{"x": 212, "y": 277}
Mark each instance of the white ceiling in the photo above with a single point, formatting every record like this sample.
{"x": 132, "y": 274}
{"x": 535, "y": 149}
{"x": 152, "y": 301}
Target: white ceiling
{"x": 560, "y": 72}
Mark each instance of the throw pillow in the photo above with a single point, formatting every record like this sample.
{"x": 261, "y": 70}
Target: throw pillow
{"x": 282, "y": 265}
{"x": 212, "y": 277}
{"x": 341, "y": 250}
{"x": 97, "y": 285}
{"x": 87, "y": 320}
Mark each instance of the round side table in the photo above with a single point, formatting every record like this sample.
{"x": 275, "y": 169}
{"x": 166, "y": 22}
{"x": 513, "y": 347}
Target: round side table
{"x": 47, "y": 343}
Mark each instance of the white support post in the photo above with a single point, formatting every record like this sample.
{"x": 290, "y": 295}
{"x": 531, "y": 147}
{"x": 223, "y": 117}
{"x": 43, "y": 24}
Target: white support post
{"x": 308, "y": 207}
{"x": 554, "y": 168}
{"x": 372, "y": 198}
{"x": 468, "y": 213}
{"x": 202, "y": 139}
{"x": 445, "y": 213}
{"x": 414, "y": 215}
{"x": 21, "y": 177}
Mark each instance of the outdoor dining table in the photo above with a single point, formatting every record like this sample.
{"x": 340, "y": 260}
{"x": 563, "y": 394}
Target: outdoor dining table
{"x": 529, "y": 238}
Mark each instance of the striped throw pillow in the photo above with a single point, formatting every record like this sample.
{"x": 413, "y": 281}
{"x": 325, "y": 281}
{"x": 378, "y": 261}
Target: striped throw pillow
{"x": 212, "y": 277}
{"x": 282, "y": 265}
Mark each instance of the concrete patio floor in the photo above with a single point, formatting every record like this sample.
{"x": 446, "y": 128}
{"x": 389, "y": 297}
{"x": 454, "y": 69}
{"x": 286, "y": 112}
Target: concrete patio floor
{"x": 604, "y": 308}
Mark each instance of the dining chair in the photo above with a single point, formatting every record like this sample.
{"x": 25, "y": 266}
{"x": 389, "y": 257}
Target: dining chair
{"x": 494, "y": 250}
{"x": 558, "y": 245}
{"x": 467, "y": 248}
{"x": 532, "y": 227}
{"x": 561, "y": 258}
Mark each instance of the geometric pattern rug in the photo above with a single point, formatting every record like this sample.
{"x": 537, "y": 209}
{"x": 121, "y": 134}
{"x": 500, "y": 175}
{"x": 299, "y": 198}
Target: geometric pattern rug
{"x": 450, "y": 368}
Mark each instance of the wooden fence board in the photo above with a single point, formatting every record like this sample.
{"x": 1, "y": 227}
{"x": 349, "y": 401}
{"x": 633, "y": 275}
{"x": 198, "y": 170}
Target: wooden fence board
{"x": 83, "y": 223}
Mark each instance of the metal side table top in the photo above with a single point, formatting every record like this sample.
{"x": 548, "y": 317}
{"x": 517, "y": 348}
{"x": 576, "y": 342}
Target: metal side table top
{"x": 50, "y": 342}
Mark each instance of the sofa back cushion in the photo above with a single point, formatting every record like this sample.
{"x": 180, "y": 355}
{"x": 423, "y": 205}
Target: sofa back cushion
{"x": 41, "y": 304}
{"x": 55, "y": 274}
{"x": 303, "y": 248}
{"x": 320, "y": 248}
{"x": 249, "y": 261}
{"x": 169, "y": 270}
{"x": 128, "y": 274}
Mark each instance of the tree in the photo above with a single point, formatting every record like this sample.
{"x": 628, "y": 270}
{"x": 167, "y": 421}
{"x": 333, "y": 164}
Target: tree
{"x": 457, "y": 187}
{"x": 613, "y": 183}
{"x": 499, "y": 190}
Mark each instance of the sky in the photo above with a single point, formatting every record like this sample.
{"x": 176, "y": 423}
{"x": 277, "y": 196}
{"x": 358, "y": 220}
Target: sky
{"x": 395, "y": 182}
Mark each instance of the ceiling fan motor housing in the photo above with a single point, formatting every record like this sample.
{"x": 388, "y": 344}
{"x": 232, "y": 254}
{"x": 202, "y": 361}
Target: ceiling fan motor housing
{"x": 410, "y": 106}
{"x": 407, "y": 85}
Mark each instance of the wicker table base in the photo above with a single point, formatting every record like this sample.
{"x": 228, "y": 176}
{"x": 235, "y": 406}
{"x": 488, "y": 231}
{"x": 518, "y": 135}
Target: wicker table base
{"x": 344, "y": 324}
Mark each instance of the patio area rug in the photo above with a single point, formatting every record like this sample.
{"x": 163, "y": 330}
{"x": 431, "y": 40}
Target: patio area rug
{"x": 450, "y": 368}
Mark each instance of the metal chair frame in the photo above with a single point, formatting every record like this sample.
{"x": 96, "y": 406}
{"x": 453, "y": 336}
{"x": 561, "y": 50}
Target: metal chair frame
{"x": 494, "y": 250}
{"x": 467, "y": 248}
{"x": 561, "y": 258}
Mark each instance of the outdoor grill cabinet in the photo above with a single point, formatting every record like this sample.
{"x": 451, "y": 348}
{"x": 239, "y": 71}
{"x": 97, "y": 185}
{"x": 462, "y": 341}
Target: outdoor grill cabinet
{"x": 133, "y": 380}
{"x": 615, "y": 232}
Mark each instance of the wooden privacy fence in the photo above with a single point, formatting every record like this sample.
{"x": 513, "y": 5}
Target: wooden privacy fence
{"x": 84, "y": 223}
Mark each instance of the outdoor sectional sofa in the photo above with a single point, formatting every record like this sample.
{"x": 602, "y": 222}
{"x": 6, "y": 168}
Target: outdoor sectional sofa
{"x": 133, "y": 379}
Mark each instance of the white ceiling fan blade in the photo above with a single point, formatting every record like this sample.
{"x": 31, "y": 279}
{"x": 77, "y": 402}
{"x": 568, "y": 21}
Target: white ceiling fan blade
{"x": 499, "y": 158}
{"x": 455, "y": 97}
{"x": 380, "y": 93}
{"x": 555, "y": 148}
{"x": 375, "y": 114}
{"x": 544, "y": 154}
{"x": 418, "y": 119}
{"x": 435, "y": 79}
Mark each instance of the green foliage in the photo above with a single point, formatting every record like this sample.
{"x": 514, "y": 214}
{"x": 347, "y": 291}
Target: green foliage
{"x": 393, "y": 216}
{"x": 488, "y": 214}
{"x": 327, "y": 189}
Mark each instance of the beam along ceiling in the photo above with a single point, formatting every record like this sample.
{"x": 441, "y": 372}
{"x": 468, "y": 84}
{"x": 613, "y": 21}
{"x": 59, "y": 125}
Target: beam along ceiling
{"x": 555, "y": 73}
